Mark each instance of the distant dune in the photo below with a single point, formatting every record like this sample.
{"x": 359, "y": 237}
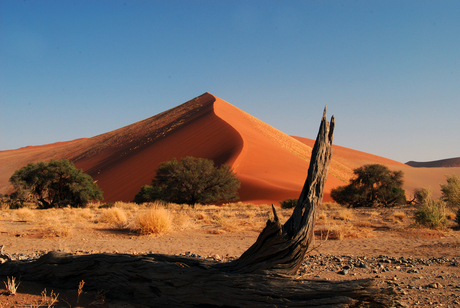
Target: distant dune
{"x": 271, "y": 165}
{"x": 449, "y": 162}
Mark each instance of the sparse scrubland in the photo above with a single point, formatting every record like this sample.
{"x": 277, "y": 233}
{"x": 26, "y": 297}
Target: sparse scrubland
{"x": 120, "y": 226}
{"x": 333, "y": 220}
{"x": 128, "y": 227}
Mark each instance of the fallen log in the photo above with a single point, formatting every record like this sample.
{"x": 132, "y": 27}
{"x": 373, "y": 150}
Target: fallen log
{"x": 264, "y": 276}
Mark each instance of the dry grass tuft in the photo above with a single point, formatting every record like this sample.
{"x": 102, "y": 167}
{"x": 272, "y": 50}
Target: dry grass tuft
{"x": 450, "y": 215}
{"x": 11, "y": 286}
{"x": 322, "y": 216}
{"x": 343, "y": 214}
{"x": 85, "y": 214}
{"x": 55, "y": 229}
{"x": 127, "y": 206}
{"x": 181, "y": 221}
{"x": 399, "y": 216}
{"x": 114, "y": 216}
{"x": 201, "y": 216}
{"x": 332, "y": 231}
{"x": 25, "y": 214}
{"x": 154, "y": 221}
{"x": 330, "y": 205}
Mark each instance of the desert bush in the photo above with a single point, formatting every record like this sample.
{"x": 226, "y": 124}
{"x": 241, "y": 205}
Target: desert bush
{"x": 422, "y": 195}
{"x": 451, "y": 191}
{"x": 153, "y": 221}
{"x": 191, "y": 181}
{"x": 148, "y": 193}
{"x": 432, "y": 214}
{"x": 289, "y": 203}
{"x": 54, "y": 184}
{"x": 374, "y": 185}
{"x": 115, "y": 216}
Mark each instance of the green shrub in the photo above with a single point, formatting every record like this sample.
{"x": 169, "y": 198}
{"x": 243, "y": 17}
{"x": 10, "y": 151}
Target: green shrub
{"x": 432, "y": 214}
{"x": 191, "y": 181}
{"x": 54, "y": 184}
{"x": 422, "y": 195}
{"x": 374, "y": 185}
{"x": 451, "y": 191}
{"x": 289, "y": 203}
{"x": 148, "y": 194}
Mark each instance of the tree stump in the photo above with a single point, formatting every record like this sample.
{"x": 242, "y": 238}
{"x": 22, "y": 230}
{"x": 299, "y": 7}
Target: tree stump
{"x": 262, "y": 277}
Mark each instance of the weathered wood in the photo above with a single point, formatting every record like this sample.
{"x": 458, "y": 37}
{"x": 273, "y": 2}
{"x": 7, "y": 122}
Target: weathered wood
{"x": 261, "y": 277}
{"x": 172, "y": 281}
{"x": 281, "y": 249}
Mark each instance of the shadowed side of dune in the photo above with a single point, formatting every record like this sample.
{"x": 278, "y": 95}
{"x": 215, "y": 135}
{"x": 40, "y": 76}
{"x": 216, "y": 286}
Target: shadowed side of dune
{"x": 122, "y": 170}
{"x": 446, "y": 163}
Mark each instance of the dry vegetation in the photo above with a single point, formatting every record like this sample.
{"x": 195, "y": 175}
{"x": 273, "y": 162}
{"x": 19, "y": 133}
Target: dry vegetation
{"x": 133, "y": 221}
{"x": 333, "y": 221}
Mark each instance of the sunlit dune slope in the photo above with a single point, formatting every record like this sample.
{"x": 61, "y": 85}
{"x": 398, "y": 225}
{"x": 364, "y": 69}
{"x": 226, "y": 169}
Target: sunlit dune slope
{"x": 413, "y": 177}
{"x": 272, "y": 165}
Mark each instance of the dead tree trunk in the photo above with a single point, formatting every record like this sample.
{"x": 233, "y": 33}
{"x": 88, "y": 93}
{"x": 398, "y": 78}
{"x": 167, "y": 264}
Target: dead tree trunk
{"x": 281, "y": 249}
{"x": 261, "y": 277}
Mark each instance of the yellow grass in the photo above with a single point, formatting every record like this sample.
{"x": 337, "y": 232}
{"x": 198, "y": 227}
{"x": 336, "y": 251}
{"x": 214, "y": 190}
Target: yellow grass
{"x": 450, "y": 215}
{"x": 25, "y": 214}
{"x": 343, "y": 214}
{"x": 399, "y": 215}
{"x": 11, "y": 285}
{"x": 154, "y": 221}
{"x": 181, "y": 221}
{"x": 114, "y": 216}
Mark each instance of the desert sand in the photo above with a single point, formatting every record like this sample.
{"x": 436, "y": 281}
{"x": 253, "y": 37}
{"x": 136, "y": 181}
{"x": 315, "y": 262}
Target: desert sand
{"x": 422, "y": 266}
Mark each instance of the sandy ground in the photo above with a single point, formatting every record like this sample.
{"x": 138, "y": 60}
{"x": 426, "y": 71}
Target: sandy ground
{"x": 421, "y": 265}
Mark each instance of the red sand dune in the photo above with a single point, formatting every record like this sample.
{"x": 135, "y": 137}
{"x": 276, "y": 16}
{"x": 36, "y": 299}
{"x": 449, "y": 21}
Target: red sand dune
{"x": 271, "y": 165}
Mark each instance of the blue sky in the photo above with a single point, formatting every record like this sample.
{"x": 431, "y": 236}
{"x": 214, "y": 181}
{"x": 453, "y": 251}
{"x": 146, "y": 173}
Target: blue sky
{"x": 388, "y": 70}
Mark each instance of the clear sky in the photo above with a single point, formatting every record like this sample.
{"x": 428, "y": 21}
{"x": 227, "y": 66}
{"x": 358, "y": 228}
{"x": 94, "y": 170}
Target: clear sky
{"x": 388, "y": 70}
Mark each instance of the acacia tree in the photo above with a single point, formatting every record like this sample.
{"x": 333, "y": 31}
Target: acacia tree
{"x": 374, "y": 185}
{"x": 451, "y": 191}
{"x": 191, "y": 180}
{"x": 54, "y": 184}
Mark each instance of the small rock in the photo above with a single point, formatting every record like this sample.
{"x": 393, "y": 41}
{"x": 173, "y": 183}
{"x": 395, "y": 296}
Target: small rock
{"x": 434, "y": 285}
{"x": 343, "y": 272}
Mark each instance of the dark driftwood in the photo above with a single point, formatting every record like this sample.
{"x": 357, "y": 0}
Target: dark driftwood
{"x": 169, "y": 281}
{"x": 261, "y": 277}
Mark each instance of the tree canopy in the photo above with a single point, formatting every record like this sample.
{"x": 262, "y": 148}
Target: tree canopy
{"x": 191, "y": 180}
{"x": 373, "y": 185}
{"x": 54, "y": 184}
{"x": 451, "y": 191}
